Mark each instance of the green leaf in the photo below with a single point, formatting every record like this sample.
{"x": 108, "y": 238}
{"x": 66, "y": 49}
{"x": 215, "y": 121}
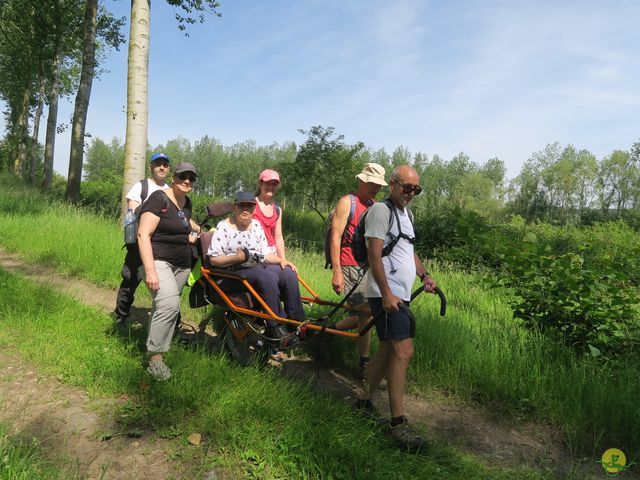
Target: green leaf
{"x": 594, "y": 351}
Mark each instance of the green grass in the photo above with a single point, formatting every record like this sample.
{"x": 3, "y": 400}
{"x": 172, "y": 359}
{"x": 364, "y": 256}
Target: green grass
{"x": 21, "y": 460}
{"x": 478, "y": 351}
{"x": 71, "y": 239}
{"x": 255, "y": 423}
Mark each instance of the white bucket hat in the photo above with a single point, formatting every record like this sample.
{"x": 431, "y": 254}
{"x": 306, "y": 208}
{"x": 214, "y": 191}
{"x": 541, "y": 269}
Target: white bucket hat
{"x": 372, "y": 173}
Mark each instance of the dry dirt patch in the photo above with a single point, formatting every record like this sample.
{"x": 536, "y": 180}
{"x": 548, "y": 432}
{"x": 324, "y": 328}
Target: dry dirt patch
{"x": 68, "y": 426}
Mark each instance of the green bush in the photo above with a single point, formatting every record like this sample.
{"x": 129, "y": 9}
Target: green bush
{"x": 102, "y": 197}
{"x": 590, "y": 301}
{"x": 303, "y": 229}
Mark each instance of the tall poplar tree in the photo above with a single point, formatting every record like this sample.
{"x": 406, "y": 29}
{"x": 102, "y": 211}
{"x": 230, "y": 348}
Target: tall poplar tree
{"x": 82, "y": 102}
{"x": 137, "y": 79}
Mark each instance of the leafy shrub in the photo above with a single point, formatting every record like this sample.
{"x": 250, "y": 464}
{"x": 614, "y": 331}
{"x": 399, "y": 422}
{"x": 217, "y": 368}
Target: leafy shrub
{"x": 592, "y": 304}
{"x": 303, "y": 229}
{"x": 102, "y": 197}
{"x": 454, "y": 236}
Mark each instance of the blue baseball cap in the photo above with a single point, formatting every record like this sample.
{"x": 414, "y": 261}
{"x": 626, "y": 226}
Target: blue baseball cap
{"x": 156, "y": 157}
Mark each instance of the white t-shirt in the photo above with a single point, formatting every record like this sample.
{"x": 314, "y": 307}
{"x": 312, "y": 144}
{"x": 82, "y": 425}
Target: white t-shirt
{"x": 399, "y": 265}
{"x": 227, "y": 238}
{"x": 135, "y": 193}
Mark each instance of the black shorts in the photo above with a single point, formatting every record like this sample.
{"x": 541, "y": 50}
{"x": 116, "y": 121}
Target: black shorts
{"x": 398, "y": 325}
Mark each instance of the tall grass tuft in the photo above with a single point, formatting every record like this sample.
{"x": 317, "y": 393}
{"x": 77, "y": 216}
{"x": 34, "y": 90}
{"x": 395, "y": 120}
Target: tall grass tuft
{"x": 50, "y": 232}
{"x": 480, "y": 351}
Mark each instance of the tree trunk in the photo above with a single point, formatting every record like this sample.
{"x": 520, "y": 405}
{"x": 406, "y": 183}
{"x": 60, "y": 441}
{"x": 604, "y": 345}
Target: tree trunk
{"x": 135, "y": 148}
{"x": 12, "y": 156}
{"x": 34, "y": 135}
{"x": 82, "y": 102}
{"x": 52, "y": 120}
{"x": 21, "y": 133}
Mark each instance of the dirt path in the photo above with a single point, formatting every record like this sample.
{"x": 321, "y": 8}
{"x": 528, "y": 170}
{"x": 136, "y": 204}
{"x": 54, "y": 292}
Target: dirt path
{"x": 68, "y": 426}
{"x": 65, "y": 421}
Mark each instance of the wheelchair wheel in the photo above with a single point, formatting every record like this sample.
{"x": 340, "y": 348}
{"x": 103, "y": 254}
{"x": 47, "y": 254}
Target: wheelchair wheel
{"x": 246, "y": 350}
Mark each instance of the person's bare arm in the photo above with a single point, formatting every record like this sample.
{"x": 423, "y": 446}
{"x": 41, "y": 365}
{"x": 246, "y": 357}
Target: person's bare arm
{"x": 429, "y": 283}
{"x": 223, "y": 261}
{"x": 194, "y": 226}
{"x": 132, "y": 204}
{"x": 338, "y": 225}
{"x": 278, "y": 236}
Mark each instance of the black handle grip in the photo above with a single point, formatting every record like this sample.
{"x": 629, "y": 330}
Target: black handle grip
{"x": 443, "y": 302}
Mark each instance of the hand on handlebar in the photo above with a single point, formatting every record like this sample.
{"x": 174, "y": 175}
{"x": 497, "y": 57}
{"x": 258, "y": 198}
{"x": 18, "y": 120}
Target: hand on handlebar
{"x": 429, "y": 284}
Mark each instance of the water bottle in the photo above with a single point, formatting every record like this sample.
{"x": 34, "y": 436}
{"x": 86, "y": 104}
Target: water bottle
{"x": 130, "y": 228}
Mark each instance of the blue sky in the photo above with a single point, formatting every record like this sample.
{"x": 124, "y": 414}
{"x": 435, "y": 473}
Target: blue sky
{"x": 492, "y": 78}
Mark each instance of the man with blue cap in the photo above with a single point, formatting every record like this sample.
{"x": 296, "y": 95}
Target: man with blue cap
{"x": 159, "y": 167}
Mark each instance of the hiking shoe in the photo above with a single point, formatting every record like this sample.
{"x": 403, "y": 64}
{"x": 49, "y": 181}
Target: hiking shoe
{"x": 287, "y": 340}
{"x": 408, "y": 437}
{"x": 159, "y": 370}
{"x": 121, "y": 326}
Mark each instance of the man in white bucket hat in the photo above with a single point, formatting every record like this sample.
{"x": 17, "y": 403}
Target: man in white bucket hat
{"x": 346, "y": 271}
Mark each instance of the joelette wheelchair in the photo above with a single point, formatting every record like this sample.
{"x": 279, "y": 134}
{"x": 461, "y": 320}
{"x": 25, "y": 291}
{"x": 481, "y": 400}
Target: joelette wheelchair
{"x": 244, "y": 311}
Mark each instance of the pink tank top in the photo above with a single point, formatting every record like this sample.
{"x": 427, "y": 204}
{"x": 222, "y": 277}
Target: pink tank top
{"x": 268, "y": 223}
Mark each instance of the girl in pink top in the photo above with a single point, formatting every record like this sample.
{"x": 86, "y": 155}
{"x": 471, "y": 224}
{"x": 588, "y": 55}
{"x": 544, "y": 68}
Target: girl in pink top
{"x": 268, "y": 213}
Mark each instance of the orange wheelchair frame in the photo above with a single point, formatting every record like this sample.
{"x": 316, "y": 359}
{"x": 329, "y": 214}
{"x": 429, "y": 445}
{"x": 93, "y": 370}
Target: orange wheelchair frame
{"x": 244, "y": 309}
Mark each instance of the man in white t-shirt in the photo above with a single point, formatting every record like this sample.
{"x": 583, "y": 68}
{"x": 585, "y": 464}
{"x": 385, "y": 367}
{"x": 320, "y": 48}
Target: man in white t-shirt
{"x": 159, "y": 167}
{"x": 388, "y": 291}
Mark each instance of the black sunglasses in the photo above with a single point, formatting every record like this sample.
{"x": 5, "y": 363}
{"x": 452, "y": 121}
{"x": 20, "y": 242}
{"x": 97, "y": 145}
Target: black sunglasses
{"x": 186, "y": 176}
{"x": 407, "y": 189}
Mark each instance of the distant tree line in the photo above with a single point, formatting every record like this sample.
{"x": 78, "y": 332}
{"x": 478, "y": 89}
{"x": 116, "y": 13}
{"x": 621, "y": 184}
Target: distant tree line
{"x": 570, "y": 186}
{"x": 558, "y": 185}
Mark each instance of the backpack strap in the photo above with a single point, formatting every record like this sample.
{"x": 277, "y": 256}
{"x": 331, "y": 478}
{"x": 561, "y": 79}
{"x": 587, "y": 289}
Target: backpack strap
{"x": 352, "y": 210}
{"x": 144, "y": 184}
{"x": 168, "y": 202}
{"x": 277, "y": 208}
{"x": 352, "y": 213}
{"x": 396, "y": 238}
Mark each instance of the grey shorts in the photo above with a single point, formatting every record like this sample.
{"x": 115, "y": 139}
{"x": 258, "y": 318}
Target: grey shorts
{"x": 351, "y": 276}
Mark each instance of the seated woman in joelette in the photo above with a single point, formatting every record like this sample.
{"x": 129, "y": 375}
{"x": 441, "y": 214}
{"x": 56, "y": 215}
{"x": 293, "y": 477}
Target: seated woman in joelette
{"x": 239, "y": 243}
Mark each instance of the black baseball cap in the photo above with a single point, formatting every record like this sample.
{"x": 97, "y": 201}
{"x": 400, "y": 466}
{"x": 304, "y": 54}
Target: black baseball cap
{"x": 245, "y": 197}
